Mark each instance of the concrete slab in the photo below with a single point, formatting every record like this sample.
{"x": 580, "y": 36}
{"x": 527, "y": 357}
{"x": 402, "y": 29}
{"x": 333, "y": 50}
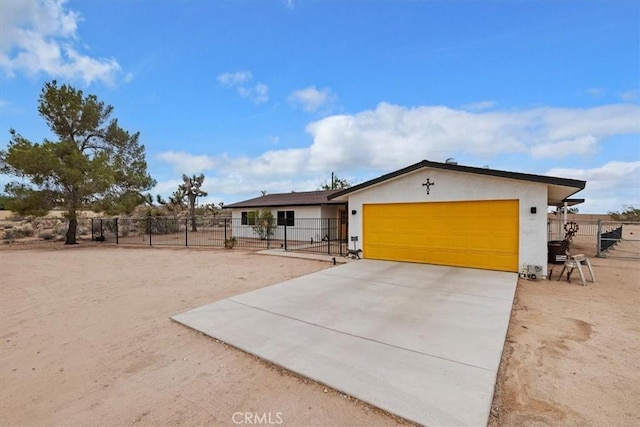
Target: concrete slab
{"x": 306, "y": 255}
{"x": 420, "y": 341}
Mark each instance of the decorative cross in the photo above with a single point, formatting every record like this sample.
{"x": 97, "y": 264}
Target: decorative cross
{"x": 428, "y": 184}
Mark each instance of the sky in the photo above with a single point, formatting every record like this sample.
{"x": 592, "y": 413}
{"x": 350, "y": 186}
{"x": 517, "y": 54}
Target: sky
{"x": 275, "y": 95}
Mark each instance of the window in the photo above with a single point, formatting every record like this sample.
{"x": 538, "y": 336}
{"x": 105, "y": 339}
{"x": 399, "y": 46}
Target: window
{"x": 248, "y": 218}
{"x": 286, "y": 218}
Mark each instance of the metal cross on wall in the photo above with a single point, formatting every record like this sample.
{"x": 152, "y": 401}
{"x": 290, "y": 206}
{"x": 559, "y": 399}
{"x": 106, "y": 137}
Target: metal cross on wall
{"x": 428, "y": 184}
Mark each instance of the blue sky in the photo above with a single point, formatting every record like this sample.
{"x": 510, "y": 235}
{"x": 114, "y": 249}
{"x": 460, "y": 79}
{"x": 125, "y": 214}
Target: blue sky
{"x": 275, "y": 95}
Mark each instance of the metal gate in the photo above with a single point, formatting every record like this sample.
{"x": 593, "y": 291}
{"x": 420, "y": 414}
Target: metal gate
{"x": 619, "y": 239}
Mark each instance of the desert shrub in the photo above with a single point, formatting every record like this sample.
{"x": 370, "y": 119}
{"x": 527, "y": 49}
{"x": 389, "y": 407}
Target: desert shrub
{"x": 9, "y": 234}
{"x": 60, "y": 231}
{"x": 46, "y": 235}
{"x": 27, "y": 230}
{"x": 24, "y": 230}
{"x": 264, "y": 223}
{"x": 230, "y": 243}
{"x": 160, "y": 225}
{"x": 18, "y": 232}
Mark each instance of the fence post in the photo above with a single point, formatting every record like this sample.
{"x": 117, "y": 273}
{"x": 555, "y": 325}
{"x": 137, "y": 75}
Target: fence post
{"x": 149, "y": 228}
{"x": 101, "y": 231}
{"x": 186, "y": 231}
{"x": 117, "y": 240}
{"x": 268, "y": 234}
{"x": 92, "y": 231}
{"x": 285, "y": 235}
{"x": 328, "y": 236}
{"x": 225, "y": 231}
{"x": 599, "y": 243}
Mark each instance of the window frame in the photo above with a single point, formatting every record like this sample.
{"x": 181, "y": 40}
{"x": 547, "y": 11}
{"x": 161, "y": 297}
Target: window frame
{"x": 248, "y": 218}
{"x": 286, "y": 218}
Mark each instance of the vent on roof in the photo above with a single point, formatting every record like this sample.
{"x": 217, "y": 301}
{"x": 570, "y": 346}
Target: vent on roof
{"x": 451, "y": 161}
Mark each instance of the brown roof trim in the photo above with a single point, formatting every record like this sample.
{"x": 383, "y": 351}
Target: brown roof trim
{"x": 566, "y": 182}
{"x": 299, "y": 198}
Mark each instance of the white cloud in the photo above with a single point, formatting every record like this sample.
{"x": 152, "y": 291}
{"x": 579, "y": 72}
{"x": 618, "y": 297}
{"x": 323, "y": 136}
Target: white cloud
{"x": 41, "y": 37}
{"x": 609, "y": 187}
{"x": 602, "y": 121}
{"x": 595, "y": 92}
{"x": 185, "y": 163}
{"x": 392, "y": 136}
{"x": 275, "y": 139}
{"x": 389, "y": 137}
{"x": 166, "y": 188}
{"x": 615, "y": 175}
{"x": 479, "y": 106}
{"x": 630, "y": 95}
{"x": 233, "y": 79}
{"x": 582, "y": 145}
{"x": 241, "y": 81}
{"x": 312, "y": 99}
{"x": 258, "y": 93}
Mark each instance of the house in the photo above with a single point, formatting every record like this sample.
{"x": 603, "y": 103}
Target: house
{"x": 305, "y": 216}
{"x": 449, "y": 214}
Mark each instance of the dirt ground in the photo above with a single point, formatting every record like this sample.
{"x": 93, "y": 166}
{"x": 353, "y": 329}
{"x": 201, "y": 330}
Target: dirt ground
{"x": 572, "y": 354}
{"x": 86, "y": 339}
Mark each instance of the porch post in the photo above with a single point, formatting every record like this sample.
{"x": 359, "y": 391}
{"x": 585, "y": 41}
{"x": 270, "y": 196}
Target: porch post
{"x": 599, "y": 236}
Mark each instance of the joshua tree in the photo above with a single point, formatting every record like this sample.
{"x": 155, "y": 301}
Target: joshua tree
{"x": 190, "y": 189}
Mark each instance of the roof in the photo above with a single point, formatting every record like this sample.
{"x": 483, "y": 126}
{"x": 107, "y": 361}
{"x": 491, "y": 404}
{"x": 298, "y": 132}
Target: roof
{"x": 302, "y": 198}
{"x": 558, "y": 188}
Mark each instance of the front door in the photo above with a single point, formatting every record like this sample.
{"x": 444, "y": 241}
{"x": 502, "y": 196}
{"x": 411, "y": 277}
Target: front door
{"x": 342, "y": 218}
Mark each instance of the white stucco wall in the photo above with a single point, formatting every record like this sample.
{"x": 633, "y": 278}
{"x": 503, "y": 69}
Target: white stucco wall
{"x": 456, "y": 186}
{"x": 307, "y": 224}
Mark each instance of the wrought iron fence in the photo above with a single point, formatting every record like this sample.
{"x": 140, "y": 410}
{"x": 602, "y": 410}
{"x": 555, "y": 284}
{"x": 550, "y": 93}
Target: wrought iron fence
{"x": 618, "y": 239}
{"x": 319, "y": 235}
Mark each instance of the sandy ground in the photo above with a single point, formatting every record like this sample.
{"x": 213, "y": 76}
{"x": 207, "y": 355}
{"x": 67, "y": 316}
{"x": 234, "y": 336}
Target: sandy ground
{"x": 572, "y": 355}
{"x": 85, "y": 339}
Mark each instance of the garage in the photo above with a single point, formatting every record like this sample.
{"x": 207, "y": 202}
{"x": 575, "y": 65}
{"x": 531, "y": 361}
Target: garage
{"x": 455, "y": 215}
{"x": 477, "y": 234}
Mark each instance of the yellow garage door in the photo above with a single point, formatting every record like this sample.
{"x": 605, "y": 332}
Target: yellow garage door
{"x": 478, "y": 234}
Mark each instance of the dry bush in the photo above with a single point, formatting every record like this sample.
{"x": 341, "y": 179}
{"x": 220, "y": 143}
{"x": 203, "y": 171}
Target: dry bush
{"x": 46, "y": 235}
{"x": 20, "y": 231}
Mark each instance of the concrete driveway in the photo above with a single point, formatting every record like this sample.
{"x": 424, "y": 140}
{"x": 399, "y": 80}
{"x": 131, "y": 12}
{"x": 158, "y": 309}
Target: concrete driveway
{"x": 421, "y": 341}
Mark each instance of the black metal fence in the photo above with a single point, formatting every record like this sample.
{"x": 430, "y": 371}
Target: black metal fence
{"x": 610, "y": 238}
{"x": 317, "y": 235}
{"x": 618, "y": 239}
